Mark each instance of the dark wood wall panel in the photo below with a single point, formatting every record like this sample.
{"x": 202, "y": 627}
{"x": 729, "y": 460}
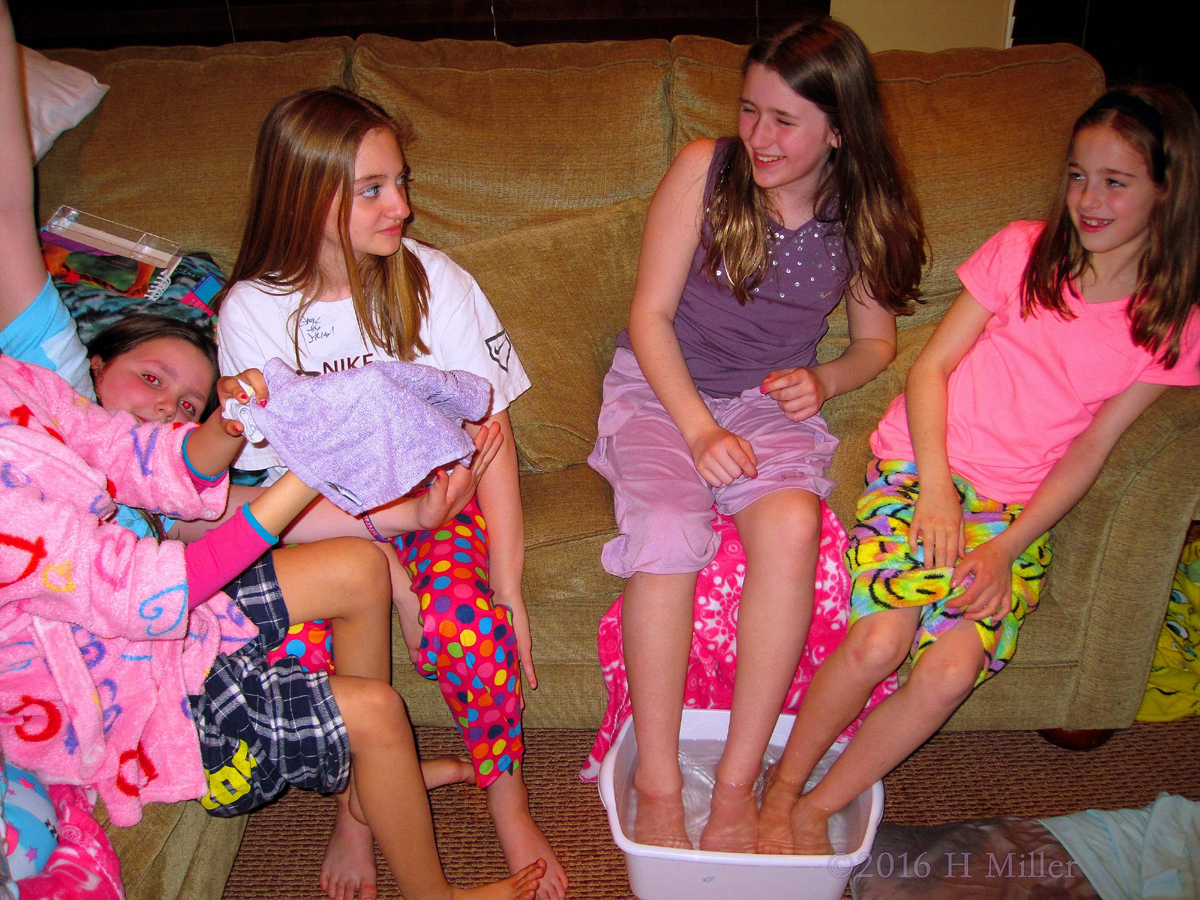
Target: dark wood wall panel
{"x": 1146, "y": 40}
{"x": 110, "y": 23}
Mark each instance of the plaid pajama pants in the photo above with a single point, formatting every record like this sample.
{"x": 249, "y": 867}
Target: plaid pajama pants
{"x": 264, "y": 726}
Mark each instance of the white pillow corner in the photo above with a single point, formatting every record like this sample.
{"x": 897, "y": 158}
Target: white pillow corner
{"x": 57, "y": 96}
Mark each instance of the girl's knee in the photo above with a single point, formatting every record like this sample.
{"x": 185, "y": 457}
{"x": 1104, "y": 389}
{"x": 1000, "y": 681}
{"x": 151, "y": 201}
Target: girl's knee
{"x": 363, "y": 568}
{"x": 798, "y": 520}
{"x": 781, "y": 524}
{"x": 949, "y": 676}
{"x": 877, "y": 646}
{"x": 369, "y": 708}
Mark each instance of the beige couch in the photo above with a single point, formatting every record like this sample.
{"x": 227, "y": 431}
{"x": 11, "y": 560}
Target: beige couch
{"x": 533, "y": 167}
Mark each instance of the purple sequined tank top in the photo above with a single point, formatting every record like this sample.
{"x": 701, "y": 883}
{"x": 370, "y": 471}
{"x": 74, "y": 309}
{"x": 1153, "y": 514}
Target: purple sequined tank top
{"x": 729, "y": 348}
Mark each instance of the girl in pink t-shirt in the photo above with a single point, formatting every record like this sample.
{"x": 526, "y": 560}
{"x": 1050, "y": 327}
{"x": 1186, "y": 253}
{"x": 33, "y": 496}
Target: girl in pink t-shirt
{"x": 1064, "y": 334}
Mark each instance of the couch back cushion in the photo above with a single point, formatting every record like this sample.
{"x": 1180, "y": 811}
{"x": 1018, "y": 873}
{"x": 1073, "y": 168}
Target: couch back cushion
{"x": 170, "y": 147}
{"x": 562, "y": 291}
{"x": 511, "y": 137}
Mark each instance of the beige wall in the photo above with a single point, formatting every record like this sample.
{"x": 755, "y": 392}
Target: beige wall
{"x": 927, "y": 25}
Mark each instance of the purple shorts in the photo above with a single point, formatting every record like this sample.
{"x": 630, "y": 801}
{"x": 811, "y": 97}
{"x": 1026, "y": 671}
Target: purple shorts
{"x": 663, "y": 506}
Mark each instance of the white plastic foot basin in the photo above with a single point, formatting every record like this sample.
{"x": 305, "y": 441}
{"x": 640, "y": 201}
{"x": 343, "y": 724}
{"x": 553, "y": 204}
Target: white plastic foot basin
{"x": 664, "y": 873}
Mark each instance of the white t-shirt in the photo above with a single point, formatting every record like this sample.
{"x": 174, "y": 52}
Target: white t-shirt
{"x": 462, "y": 331}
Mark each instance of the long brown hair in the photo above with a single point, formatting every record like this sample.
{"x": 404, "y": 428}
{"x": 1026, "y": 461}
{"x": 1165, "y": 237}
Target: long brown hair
{"x": 864, "y": 186}
{"x": 1160, "y": 123}
{"x": 304, "y": 161}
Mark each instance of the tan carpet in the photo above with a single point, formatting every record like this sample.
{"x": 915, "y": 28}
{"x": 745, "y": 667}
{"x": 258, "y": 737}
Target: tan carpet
{"x": 953, "y": 777}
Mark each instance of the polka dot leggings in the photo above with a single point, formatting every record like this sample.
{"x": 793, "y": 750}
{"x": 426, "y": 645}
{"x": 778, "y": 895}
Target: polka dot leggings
{"x": 467, "y": 644}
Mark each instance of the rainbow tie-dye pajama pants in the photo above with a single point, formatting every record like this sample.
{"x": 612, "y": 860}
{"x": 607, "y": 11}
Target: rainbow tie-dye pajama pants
{"x": 885, "y": 574}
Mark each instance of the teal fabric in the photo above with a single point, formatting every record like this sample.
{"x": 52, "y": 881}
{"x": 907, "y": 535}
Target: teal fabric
{"x": 45, "y": 334}
{"x": 1136, "y": 854}
{"x": 95, "y": 308}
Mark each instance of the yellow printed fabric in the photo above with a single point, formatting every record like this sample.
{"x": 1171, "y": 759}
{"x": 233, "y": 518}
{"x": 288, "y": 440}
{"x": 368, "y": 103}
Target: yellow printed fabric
{"x": 232, "y": 782}
{"x": 1174, "y": 687}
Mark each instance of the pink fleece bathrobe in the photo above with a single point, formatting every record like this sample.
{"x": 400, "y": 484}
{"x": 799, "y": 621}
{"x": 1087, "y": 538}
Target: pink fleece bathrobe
{"x": 98, "y": 651}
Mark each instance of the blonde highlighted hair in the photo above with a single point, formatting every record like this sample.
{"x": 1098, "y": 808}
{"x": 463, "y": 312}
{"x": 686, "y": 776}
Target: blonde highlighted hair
{"x": 1159, "y": 123}
{"x": 864, "y": 186}
{"x": 303, "y": 164}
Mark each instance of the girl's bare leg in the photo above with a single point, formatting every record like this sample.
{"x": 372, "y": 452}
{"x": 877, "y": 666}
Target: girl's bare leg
{"x": 408, "y": 606}
{"x": 351, "y": 575}
{"x": 349, "y": 863}
{"x": 391, "y": 794}
{"x": 840, "y": 688}
{"x": 346, "y": 580}
{"x": 781, "y": 533}
{"x": 520, "y": 837}
{"x": 941, "y": 680}
{"x": 656, "y": 635}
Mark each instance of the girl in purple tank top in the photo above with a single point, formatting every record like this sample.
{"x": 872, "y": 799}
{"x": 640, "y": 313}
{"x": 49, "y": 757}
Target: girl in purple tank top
{"x": 715, "y": 392}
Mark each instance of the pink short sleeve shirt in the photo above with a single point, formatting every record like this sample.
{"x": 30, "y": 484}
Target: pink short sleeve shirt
{"x": 1028, "y": 387}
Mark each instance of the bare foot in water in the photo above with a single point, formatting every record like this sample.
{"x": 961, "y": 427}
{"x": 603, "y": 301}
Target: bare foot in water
{"x": 521, "y": 886}
{"x": 443, "y": 770}
{"x": 660, "y": 820}
{"x": 810, "y": 830}
{"x": 732, "y": 820}
{"x": 775, "y": 817}
{"x": 520, "y": 838}
{"x": 349, "y": 865}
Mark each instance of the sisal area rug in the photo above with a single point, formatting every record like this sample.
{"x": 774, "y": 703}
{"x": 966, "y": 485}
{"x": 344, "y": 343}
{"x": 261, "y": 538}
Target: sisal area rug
{"x": 955, "y": 776}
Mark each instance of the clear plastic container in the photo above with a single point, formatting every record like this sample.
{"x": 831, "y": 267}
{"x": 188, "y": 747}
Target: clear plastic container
{"x": 664, "y": 873}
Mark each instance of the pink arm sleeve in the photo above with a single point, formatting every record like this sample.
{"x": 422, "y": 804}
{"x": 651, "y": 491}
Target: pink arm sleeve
{"x": 224, "y": 553}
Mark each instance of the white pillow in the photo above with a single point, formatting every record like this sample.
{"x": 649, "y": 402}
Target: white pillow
{"x": 58, "y": 97}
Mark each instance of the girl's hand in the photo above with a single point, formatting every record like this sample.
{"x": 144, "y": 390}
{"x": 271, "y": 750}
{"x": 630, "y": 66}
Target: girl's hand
{"x": 520, "y": 624}
{"x": 799, "y": 392}
{"x": 721, "y": 457}
{"x": 230, "y": 387}
{"x": 989, "y": 594}
{"x": 937, "y": 526}
{"x": 450, "y": 492}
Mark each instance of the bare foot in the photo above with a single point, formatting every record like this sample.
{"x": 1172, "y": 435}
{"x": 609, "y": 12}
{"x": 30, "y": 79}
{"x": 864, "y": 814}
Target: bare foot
{"x": 520, "y": 838}
{"x": 349, "y": 864}
{"x": 732, "y": 820}
{"x": 775, "y": 817}
{"x": 810, "y": 830}
{"x": 521, "y": 886}
{"x": 445, "y": 770}
{"x": 660, "y": 820}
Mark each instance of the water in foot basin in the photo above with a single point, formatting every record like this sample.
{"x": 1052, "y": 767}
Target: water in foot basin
{"x": 698, "y": 762}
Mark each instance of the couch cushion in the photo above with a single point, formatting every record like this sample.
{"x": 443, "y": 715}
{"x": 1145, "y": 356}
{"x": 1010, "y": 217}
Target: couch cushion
{"x": 176, "y": 852}
{"x": 983, "y": 132}
{"x": 562, "y": 291}
{"x": 508, "y": 137}
{"x": 169, "y": 148}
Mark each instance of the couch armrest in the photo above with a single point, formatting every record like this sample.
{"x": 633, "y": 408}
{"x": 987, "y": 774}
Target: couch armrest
{"x": 1115, "y": 556}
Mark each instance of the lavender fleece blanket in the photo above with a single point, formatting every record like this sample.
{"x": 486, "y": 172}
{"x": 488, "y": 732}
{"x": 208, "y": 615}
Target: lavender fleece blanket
{"x": 365, "y": 437}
